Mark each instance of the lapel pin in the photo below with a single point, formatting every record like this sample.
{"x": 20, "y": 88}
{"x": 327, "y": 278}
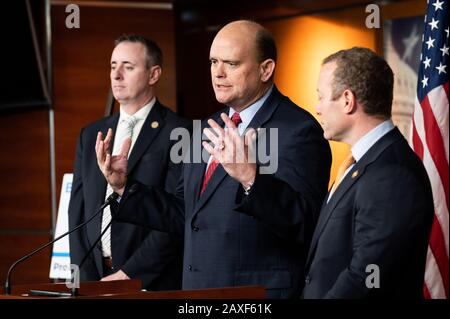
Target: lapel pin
{"x": 155, "y": 124}
{"x": 355, "y": 173}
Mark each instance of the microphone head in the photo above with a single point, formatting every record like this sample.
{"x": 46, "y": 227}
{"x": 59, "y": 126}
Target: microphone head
{"x": 112, "y": 197}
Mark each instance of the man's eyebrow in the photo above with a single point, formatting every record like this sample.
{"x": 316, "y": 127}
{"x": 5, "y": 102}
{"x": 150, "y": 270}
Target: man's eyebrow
{"x": 124, "y": 62}
{"x": 224, "y": 60}
{"x": 230, "y": 61}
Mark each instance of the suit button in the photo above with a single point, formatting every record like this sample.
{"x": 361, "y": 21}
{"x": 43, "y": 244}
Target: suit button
{"x": 307, "y": 280}
{"x": 195, "y": 228}
{"x": 190, "y": 267}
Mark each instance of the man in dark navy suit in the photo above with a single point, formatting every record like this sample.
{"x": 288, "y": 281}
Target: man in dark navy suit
{"x": 372, "y": 235}
{"x": 244, "y": 222}
{"x": 128, "y": 251}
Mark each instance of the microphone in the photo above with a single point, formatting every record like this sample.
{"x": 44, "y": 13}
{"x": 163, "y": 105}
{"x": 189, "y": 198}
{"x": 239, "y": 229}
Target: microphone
{"x": 111, "y": 198}
{"x": 133, "y": 188}
{"x": 74, "y": 291}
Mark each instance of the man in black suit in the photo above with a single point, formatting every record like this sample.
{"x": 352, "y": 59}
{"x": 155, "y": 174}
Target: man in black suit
{"x": 372, "y": 235}
{"x": 128, "y": 251}
{"x": 224, "y": 208}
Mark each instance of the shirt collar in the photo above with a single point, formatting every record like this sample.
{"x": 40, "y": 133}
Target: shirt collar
{"x": 249, "y": 112}
{"x": 142, "y": 113}
{"x": 368, "y": 140}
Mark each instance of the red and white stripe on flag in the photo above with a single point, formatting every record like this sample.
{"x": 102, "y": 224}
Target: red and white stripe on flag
{"x": 430, "y": 140}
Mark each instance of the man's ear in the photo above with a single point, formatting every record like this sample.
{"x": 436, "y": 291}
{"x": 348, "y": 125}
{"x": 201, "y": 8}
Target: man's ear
{"x": 350, "y": 101}
{"x": 154, "y": 74}
{"x": 267, "y": 67}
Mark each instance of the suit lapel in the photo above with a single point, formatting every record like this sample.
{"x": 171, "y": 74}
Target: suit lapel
{"x": 199, "y": 169}
{"x": 267, "y": 109}
{"x": 147, "y": 134}
{"x": 100, "y": 181}
{"x": 196, "y": 176}
{"x": 218, "y": 175}
{"x": 260, "y": 118}
{"x": 94, "y": 227}
{"x": 349, "y": 180}
{"x": 328, "y": 208}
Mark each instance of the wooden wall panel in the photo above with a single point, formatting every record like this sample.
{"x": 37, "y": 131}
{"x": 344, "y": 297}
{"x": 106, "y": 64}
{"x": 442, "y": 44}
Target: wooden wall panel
{"x": 196, "y": 99}
{"x": 24, "y": 171}
{"x": 24, "y": 191}
{"x": 34, "y": 269}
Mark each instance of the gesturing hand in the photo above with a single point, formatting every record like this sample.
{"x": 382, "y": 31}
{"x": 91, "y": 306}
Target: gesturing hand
{"x": 232, "y": 150}
{"x": 113, "y": 167}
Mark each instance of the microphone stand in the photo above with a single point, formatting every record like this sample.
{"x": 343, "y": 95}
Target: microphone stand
{"x": 134, "y": 188}
{"x": 74, "y": 291}
{"x": 108, "y": 201}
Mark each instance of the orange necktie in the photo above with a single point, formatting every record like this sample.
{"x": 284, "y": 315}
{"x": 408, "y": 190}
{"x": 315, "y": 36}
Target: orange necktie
{"x": 348, "y": 161}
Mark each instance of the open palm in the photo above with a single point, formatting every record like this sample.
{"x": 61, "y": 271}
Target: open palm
{"x": 113, "y": 167}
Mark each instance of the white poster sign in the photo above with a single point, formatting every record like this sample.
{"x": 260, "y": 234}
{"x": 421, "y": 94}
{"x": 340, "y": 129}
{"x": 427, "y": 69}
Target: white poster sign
{"x": 60, "y": 264}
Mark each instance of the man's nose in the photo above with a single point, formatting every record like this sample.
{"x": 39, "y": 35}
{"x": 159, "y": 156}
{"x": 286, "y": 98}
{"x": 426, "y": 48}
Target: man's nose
{"x": 116, "y": 74}
{"x": 219, "y": 71}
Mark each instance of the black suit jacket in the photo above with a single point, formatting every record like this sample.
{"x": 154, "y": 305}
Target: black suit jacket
{"x": 236, "y": 240}
{"x": 149, "y": 255}
{"x": 380, "y": 214}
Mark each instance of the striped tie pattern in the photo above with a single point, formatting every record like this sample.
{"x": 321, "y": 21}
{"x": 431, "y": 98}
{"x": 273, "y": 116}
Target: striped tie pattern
{"x": 124, "y": 130}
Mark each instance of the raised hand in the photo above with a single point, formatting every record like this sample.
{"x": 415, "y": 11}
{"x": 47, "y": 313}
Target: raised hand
{"x": 113, "y": 167}
{"x": 234, "y": 152}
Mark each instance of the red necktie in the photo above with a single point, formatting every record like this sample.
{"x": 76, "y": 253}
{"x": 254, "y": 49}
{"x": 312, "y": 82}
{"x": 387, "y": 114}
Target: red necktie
{"x": 213, "y": 165}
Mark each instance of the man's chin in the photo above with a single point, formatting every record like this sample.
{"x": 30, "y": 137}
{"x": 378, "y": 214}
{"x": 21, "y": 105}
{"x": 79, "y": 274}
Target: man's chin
{"x": 328, "y": 136}
{"x": 120, "y": 99}
{"x": 222, "y": 99}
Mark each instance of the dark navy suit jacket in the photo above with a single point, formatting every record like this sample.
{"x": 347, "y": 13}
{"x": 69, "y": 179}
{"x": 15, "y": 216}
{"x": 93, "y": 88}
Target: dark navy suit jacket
{"x": 381, "y": 214}
{"x": 149, "y": 255}
{"x": 235, "y": 240}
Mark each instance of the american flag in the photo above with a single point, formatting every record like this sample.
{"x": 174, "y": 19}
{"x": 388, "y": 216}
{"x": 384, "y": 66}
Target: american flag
{"x": 430, "y": 139}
